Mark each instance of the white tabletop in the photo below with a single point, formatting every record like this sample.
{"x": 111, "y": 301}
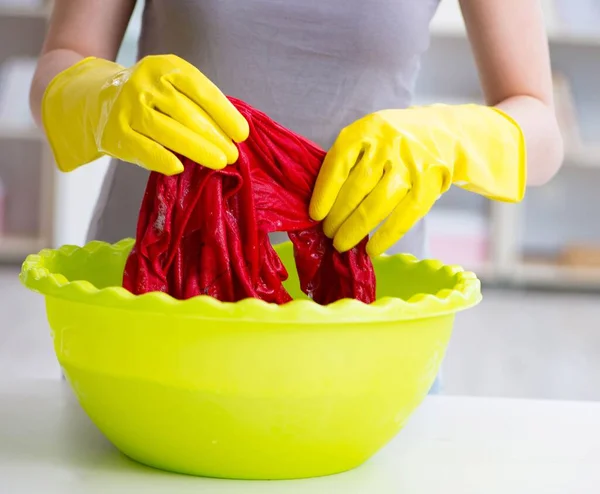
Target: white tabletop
{"x": 451, "y": 445}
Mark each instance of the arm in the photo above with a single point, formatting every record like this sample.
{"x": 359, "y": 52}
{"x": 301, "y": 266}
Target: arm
{"x": 148, "y": 114}
{"x": 511, "y": 51}
{"x": 390, "y": 167}
{"x": 78, "y": 29}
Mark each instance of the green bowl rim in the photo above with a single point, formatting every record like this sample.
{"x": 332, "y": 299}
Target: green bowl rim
{"x": 465, "y": 294}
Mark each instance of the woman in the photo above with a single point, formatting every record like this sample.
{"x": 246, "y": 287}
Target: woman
{"x": 340, "y": 72}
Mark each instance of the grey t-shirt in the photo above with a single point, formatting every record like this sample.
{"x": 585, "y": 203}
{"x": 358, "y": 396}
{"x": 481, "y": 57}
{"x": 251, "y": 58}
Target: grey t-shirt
{"x": 315, "y": 66}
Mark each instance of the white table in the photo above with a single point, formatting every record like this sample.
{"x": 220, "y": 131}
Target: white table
{"x": 451, "y": 445}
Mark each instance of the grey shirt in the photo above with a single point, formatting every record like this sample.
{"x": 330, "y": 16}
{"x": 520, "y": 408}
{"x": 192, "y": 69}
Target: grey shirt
{"x": 315, "y": 66}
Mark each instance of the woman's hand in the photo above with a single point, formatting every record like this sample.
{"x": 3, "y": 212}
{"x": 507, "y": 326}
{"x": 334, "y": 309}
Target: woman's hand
{"x": 394, "y": 164}
{"x": 143, "y": 115}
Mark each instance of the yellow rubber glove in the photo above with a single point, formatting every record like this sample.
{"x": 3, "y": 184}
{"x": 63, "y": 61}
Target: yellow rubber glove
{"x": 395, "y": 164}
{"x": 141, "y": 115}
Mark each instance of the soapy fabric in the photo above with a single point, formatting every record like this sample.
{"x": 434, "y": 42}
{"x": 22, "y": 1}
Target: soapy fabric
{"x": 206, "y": 232}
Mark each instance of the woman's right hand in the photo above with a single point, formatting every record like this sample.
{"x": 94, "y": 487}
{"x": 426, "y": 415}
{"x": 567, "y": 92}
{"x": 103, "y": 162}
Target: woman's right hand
{"x": 143, "y": 115}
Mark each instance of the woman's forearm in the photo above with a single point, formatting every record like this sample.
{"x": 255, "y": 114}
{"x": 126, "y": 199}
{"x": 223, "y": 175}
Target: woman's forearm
{"x": 49, "y": 66}
{"x": 543, "y": 140}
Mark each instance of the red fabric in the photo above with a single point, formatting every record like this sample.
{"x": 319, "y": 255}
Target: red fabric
{"x": 206, "y": 232}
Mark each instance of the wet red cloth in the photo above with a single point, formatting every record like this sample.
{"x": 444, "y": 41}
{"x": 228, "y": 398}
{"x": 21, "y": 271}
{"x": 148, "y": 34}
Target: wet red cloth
{"x": 206, "y": 232}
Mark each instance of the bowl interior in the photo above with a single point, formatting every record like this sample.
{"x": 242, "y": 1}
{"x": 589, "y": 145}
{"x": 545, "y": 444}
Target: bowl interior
{"x": 105, "y": 269}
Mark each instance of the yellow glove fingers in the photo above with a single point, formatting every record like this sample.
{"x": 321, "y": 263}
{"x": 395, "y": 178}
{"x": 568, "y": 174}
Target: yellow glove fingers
{"x": 185, "y": 111}
{"x": 377, "y": 206}
{"x": 196, "y": 86}
{"x": 178, "y": 138}
{"x": 407, "y": 213}
{"x": 337, "y": 165}
{"x": 363, "y": 178}
{"x": 152, "y": 156}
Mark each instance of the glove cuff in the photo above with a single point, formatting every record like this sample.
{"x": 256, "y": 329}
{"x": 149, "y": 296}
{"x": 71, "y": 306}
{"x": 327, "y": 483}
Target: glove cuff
{"x": 70, "y": 110}
{"x": 491, "y": 157}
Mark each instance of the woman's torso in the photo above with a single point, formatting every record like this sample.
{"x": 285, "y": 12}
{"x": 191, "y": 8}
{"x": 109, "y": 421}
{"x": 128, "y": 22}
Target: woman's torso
{"x": 315, "y": 66}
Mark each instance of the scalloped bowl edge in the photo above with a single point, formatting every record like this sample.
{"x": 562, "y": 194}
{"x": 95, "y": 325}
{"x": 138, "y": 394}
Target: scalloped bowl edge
{"x": 466, "y": 292}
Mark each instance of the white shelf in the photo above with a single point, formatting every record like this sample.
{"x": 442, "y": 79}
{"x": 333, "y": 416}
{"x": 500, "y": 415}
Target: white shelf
{"x": 555, "y": 36}
{"x": 548, "y": 275}
{"x": 485, "y": 272}
{"x": 26, "y": 12}
{"x": 18, "y": 133}
{"x": 16, "y": 249}
{"x": 565, "y": 37}
{"x": 587, "y": 157}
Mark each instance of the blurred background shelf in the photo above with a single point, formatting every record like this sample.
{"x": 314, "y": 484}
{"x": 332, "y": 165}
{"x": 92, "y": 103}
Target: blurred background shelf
{"x": 31, "y": 11}
{"x": 588, "y": 157}
{"x": 15, "y": 249}
{"x": 555, "y": 36}
{"x": 27, "y": 174}
{"x": 552, "y": 276}
{"x": 18, "y": 133}
{"x": 565, "y": 37}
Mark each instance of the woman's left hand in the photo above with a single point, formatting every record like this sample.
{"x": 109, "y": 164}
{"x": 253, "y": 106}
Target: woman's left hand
{"x": 393, "y": 165}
